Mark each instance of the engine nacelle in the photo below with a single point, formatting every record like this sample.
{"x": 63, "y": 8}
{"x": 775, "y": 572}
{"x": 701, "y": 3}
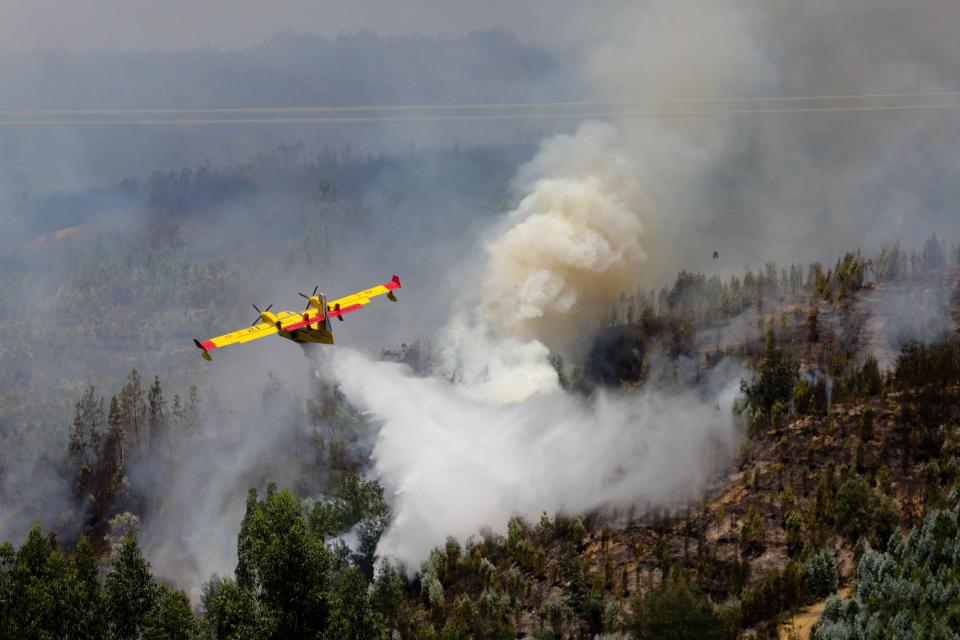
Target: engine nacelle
{"x": 269, "y": 318}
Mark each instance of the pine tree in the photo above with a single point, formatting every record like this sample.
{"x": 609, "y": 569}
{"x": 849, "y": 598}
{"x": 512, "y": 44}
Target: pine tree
{"x": 676, "y": 610}
{"x": 813, "y": 324}
{"x": 388, "y": 597}
{"x": 87, "y": 426}
{"x": 130, "y": 592}
{"x": 170, "y": 618}
{"x": 90, "y": 594}
{"x": 291, "y": 567}
{"x": 156, "y": 422}
{"x": 192, "y": 412}
{"x": 113, "y": 447}
{"x": 177, "y": 414}
{"x": 246, "y": 578}
{"x": 933, "y": 253}
{"x": 43, "y": 590}
{"x": 134, "y": 412}
{"x": 85, "y": 438}
{"x": 231, "y": 611}
{"x": 351, "y": 617}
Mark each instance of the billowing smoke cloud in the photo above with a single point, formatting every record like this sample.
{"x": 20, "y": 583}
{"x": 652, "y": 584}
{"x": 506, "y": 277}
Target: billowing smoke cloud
{"x": 503, "y": 439}
{"x": 573, "y": 243}
{"x": 564, "y": 254}
{"x": 455, "y": 464}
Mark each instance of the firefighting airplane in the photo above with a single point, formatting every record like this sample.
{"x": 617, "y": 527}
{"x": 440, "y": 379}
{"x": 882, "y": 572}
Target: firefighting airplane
{"x": 310, "y": 325}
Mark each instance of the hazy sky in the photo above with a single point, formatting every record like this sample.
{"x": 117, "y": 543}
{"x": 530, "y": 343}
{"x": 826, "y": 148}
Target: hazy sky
{"x": 85, "y": 25}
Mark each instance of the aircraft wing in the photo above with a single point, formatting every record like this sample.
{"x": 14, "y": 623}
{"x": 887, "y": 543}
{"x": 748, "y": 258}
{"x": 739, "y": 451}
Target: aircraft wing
{"x": 260, "y": 330}
{"x": 358, "y": 300}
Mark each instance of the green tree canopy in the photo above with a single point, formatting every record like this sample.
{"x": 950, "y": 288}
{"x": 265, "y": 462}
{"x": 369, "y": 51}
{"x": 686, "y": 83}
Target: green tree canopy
{"x": 676, "y": 611}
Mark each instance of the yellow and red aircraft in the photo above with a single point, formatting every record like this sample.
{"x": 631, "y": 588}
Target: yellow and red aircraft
{"x": 310, "y": 325}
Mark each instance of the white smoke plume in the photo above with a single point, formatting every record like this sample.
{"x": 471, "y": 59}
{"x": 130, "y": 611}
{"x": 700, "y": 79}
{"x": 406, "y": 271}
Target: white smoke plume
{"x": 455, "y": 464}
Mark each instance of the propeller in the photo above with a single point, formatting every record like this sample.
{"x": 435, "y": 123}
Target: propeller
{"x": 303, "y": 295}
{"x": 257, "y": 319}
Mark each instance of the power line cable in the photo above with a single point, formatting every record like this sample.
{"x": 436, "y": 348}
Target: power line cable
{"x": 469, "y": 117}
{"x": 472, "y": 106}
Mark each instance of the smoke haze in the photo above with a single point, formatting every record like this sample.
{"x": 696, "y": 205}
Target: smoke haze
{"x": 601, "y": 208}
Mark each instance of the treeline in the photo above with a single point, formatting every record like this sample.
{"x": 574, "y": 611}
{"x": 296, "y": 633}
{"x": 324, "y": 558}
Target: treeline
{"x": 294, "y": 579}
{"x": 47, "y": 594}
{"x": 295, "y": 576}
{"x": 485, "y": 588}
{"x": 288, "y": 180}
{"x": 124, "y": 454}
{"x": 290, "y": 583}
{"x": 699, "y": 300}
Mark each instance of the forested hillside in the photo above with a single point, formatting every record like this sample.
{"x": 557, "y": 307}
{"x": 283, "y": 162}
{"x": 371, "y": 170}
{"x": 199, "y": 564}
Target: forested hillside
{"x": 843, "y": 450}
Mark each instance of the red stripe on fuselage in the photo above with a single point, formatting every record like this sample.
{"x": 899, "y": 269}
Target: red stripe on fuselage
{"x": 343, "y": 310}
{"x": 317, "y": 318}
{"x": 303, "y": 323}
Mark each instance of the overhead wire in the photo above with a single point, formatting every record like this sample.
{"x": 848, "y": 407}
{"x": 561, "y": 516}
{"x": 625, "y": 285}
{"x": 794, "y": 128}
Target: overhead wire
{"x": 474, "y": 106}
{"x": 468, "y": 117}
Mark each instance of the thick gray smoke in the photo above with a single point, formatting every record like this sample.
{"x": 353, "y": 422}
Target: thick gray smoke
{"x": 787, "y": 186}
